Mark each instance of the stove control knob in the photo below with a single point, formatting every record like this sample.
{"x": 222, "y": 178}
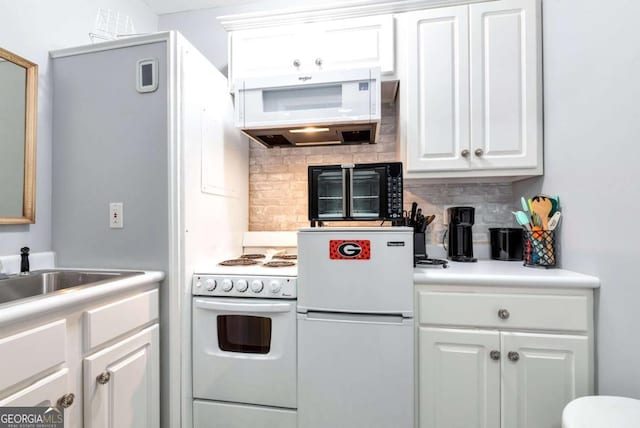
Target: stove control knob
{"x": 211, "y": 284}
{"x": 242, "y": 285}
{"x": 275, "y": 286}
{"x": 227, "y": 285}
{"x": 257, "y": 286}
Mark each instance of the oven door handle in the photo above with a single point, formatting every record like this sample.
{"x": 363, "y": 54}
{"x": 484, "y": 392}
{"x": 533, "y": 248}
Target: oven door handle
{"x": 266, "y": 308}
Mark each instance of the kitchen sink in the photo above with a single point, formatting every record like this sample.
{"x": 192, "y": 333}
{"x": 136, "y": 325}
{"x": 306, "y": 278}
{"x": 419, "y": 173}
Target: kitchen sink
{"x": 40, "y": 283}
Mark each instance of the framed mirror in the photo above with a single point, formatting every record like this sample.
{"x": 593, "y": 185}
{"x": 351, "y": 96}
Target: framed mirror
{"x": 18, "y": 111}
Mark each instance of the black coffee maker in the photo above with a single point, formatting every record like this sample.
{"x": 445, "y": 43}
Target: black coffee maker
{"x": 460, "y": 248}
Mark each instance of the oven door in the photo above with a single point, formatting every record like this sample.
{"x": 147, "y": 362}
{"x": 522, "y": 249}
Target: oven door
{"x": 244, "y": 351}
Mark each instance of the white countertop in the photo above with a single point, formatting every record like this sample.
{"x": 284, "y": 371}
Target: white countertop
{"x": 505, "y": 274}
{"x": 37, "y": 305}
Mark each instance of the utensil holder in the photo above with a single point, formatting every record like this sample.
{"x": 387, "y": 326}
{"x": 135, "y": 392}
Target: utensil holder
{"x": 419, "y": 247}
{"x": 539, "y": 248}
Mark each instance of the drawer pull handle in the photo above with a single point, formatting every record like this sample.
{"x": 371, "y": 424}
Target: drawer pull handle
{"x": 103, "y": 378}
{"x": 66, "y": 400}
{"x": 513, "y": 356}
{"x": 503, "y": 314}
{"x": 495, "y": 355}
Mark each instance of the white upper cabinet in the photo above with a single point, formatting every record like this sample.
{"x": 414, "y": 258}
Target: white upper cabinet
{"x": 471, "y": 91}
{"x": 287, "y": 49}
{"x": 437, "y": 92}
{"x": 506, "y": 118}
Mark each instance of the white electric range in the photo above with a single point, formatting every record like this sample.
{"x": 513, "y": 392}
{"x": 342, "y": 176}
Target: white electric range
{"x": 244, "y": 342}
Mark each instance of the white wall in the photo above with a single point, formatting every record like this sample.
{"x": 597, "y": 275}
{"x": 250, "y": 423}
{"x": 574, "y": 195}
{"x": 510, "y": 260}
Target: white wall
{"x": 592, "y": 150}
{"x": 31, "y": 28}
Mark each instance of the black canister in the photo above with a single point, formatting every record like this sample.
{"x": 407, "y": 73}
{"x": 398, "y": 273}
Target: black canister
{"x": 506, "y": 243}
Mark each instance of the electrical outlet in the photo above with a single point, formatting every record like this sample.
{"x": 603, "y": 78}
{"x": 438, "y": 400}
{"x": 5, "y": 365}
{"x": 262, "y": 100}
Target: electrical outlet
{"x": 116, "y": 215}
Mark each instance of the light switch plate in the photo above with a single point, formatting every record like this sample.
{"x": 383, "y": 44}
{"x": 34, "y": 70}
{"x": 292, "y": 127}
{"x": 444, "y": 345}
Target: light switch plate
{"x": 116, "y": 215}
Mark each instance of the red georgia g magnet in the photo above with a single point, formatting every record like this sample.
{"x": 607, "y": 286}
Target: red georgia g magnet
{"x": 340, "y": 249}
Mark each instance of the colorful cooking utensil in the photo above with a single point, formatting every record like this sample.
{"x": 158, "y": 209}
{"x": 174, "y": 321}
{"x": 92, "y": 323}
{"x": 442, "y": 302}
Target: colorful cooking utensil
{"x": 542, "y": 207}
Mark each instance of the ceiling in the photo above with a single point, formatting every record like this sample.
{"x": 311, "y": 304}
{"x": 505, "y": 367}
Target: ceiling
{"x": 171, "y": 6}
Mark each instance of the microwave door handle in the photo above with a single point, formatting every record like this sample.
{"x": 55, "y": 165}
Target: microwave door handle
{"x": 266, "y": 308}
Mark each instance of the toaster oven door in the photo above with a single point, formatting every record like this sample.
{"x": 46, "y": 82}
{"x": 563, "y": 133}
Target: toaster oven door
{"x": 328, "y": 193}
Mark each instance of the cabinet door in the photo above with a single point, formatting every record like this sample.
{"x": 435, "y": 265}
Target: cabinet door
{"x": 459, "y": 383}
{"x": 437, "y": 90}
{"x": 267, "y": 51}
{"x": 506, "y": 115}
{"x": 547, "y": 372}
{"x": 360, "y": 42}
{"x": 121, "y": 386}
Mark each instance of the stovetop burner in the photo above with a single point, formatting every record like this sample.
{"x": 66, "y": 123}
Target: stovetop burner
{"x": 238, "y": 262}
{"x": 278, "y": 263}
{"x": 286, "y": 257}
{"x": 252, "y": 256}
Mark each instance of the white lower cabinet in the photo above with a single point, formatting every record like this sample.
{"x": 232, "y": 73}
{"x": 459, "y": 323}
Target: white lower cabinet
{"x": 59, "y": 359}
{"x": 459, "y": 382}
{"x": 541, "y": 373}
{"x": 121, "y": 387}
{"x": 500, "y": 377}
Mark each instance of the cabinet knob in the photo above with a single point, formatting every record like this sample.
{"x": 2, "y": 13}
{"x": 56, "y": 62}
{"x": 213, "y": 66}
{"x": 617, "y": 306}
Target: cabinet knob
{"x": 513, "y": 356}
{"x": 495, "y": 355}
{"x": 103, "y": 378}
{"x": 503, "y": 314}
{"x": 296, "y": 63}
{"x": 319, "y": 62}
{"x": 66, "y": 400}
{"x": 465, "y": 153}
{"x": 479, "y": 152}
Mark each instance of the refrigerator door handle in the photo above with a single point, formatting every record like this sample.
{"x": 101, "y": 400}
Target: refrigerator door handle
{"x": 395, "y": 319}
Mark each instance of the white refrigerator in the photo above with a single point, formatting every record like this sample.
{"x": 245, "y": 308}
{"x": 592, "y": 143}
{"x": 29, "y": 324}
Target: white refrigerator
{"x": 355, "y": 327}
{"x": 148, "y": 121}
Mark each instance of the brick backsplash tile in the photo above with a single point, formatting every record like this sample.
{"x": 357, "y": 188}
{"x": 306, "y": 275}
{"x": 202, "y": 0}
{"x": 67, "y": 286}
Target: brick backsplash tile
{"x": 278, "y": 185}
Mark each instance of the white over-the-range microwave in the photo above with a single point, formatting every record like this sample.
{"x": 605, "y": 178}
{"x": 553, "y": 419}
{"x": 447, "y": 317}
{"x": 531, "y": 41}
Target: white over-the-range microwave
{"x": 322, "y": 108}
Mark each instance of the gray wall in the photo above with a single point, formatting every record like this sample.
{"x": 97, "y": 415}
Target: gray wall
{"x": 31, "y": 28}
{"x": 592, "y": 149}
{"x": 110, "y": 146}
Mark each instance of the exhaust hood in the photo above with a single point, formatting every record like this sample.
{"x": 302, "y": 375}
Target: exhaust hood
{"x": 312, "y": 109}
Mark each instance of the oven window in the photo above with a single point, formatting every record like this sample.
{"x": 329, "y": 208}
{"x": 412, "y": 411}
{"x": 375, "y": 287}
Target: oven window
{"x": 244, "y": 333}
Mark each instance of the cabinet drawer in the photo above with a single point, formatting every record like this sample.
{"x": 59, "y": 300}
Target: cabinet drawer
{"x": 44, "y": 392}
{"x": 115, "y": 319}
{"x": 30, "y": 352}
{"x": 528, "y": 311}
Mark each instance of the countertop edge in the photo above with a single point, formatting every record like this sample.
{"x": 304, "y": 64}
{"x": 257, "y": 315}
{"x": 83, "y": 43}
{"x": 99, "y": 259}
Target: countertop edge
{"x": 497, "y": 280}
{"x": 58, "y": 302}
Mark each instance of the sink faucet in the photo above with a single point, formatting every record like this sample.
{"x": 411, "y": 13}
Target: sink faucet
{"x": 24, "y": 261}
